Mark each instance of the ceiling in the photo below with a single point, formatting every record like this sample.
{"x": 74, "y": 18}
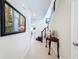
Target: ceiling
{"x": 38, "y": 8}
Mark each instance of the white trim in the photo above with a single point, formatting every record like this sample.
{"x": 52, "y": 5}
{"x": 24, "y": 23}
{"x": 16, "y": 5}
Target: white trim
{"x": 73, "y": 2}
{"x": 27, "y": 50}
{"x": 72, "y": 22}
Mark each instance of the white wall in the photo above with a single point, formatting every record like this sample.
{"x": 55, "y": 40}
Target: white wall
{"x": 49, "y": 14}
{"x": 15, "y": 46}
{"x": 49, "y": 11}
{"x": 61, "y": 23}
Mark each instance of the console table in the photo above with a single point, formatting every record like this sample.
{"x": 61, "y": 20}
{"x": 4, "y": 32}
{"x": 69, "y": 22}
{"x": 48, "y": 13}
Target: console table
{"x": 53, "y": 39}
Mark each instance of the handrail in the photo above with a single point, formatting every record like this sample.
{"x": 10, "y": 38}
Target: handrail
{"x": 42, "y": 33}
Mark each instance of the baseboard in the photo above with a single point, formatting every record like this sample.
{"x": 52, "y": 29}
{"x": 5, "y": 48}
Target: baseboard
{"x": 27, "y": 50}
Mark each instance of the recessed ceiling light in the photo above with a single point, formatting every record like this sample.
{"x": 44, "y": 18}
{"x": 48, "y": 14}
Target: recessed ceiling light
{"x": 23, "y": 6}
{"x": 34, "y": 14}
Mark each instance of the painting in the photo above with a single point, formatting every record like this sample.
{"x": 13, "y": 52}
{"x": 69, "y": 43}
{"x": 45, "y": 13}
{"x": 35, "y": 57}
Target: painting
{"x": 11, "y": 20}
{"x": 22, "y": 24}
{"x": 16, "y": 22}
{"x": 0, "y": 19}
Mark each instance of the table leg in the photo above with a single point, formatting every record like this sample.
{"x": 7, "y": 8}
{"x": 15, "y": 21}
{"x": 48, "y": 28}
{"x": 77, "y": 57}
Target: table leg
{"x": 46, "y": 42}
{"x": 49, "y": 46}
{"x": 58, "y": 49}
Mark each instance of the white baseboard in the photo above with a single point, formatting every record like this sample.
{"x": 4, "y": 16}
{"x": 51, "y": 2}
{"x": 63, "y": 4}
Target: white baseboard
{"x": 27, "y": 50}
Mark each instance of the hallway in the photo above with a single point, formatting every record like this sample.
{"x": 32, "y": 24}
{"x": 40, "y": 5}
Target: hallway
{"x": 39, "y": 51}
{"x": 23, "y": 22}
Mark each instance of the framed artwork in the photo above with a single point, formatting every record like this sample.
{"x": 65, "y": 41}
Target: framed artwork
{"x": 0, "y": 20}
{"x": 12, "y": 20}
{"x": 22, "y": 24}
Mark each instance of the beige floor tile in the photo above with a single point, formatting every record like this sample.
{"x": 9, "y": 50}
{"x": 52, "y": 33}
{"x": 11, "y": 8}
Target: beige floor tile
{"x": 39, "y": 51}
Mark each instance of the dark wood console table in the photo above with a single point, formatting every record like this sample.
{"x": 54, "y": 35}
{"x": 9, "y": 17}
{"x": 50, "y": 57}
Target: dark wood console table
{"x": 53, "y": 39}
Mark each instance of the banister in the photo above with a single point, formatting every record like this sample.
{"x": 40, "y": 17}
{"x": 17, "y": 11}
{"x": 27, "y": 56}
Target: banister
{"x": 42, "y": 33}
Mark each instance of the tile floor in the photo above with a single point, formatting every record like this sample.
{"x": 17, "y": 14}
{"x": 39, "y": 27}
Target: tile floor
{"x": 39, "y": 51}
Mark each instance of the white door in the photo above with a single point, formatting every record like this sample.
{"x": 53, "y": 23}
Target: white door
{"x": 74, "y": 29}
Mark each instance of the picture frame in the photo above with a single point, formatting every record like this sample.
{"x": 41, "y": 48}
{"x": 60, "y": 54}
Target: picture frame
{"x": 12, "y": 21}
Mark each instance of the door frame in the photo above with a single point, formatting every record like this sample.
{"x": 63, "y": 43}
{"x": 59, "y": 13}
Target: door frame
{"x": 72, "y": 22}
